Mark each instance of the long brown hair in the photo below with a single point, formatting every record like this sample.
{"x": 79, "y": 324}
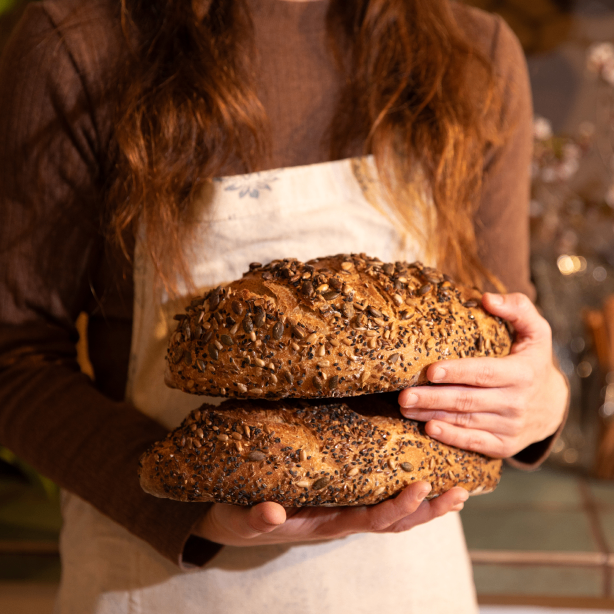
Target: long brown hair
{"x": 187, "y": 109}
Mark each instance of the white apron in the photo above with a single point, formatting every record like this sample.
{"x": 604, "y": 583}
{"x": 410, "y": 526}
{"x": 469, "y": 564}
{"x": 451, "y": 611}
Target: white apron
{"x": 301, "y": 212}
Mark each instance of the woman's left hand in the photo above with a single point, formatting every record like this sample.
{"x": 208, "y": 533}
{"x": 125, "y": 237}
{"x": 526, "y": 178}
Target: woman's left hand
{"x": 496, "y": 406}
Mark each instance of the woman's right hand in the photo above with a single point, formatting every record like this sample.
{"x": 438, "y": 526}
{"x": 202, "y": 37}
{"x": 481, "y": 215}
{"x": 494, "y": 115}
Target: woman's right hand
{"x": 270, "y": 523}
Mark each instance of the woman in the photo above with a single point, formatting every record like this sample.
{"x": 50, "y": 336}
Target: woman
{"x": 131, "y": 140}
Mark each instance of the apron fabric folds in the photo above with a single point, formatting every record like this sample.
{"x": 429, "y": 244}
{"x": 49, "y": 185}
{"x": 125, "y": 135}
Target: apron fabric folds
{"x": 303, "y": 212}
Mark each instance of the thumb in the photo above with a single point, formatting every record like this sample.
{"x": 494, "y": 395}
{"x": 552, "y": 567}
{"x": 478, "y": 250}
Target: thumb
{"x": 262, "y": 518}
{"x": 518, "y": 309}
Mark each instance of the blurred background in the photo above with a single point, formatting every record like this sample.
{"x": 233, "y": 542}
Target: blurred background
{"x": 543, "y": 542}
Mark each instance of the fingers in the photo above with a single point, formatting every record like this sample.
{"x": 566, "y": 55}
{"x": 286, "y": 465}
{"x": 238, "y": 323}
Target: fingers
{"x": 380, "y": 517}
{"x": 518, "y": 309}
{"x": 464, "y": 399}
{"x": 249, "y": 523}
{"x": 492, "y": 423}
{"x": 264, "y": 518}
{"x": 475, "y": 440}
{"x": 375, "y": 518}
{"x": 268, "y": 523}
{"x": 479, "y": 373}
{"x": 402, "y": 513}
{"x": 482, "y": 372}
{"x": 451, "y": 501}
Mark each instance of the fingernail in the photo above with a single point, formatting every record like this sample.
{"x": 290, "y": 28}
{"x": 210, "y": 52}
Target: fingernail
{"x": 438, "y": 374}
{"x": 434, "y": 430}
{"x": 463, "y": 496}
{"x": 410, "y": 400}
{"x": 496, "y": 299}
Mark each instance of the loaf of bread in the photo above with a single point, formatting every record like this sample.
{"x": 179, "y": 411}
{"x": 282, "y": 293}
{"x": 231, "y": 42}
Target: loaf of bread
{"x": 306, "y": 453}
{"x": 338, "y": 326}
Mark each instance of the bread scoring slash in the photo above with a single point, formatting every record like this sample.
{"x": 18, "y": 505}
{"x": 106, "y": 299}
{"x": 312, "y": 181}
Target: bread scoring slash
{"x": 336, "y": 326}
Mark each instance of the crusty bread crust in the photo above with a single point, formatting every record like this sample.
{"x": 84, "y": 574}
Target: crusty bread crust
{"x": 298, "y": 453}
{"x": 338, "y": 326}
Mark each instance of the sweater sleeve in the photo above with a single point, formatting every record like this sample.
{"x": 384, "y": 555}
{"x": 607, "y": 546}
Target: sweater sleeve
{"x": 51, "y": 181}
{"x": 502, "y": 222}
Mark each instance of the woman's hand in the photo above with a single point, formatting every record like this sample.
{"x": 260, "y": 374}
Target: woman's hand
{"x": 496, "y": 406}
{"x": 270, "y": 523}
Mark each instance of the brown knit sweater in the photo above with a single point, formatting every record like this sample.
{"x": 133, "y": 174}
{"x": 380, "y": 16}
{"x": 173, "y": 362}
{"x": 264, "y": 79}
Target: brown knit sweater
{"x": 54, "y": 262}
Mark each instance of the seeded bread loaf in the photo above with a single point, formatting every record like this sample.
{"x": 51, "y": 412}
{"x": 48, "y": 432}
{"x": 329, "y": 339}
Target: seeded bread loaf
{"x": 306, "y": 453}
{"x": 338, "y": 326}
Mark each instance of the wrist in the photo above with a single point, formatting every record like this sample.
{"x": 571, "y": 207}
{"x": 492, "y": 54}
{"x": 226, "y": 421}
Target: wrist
{"x": 559, "y": 401}
{"x": 562, "y": 400}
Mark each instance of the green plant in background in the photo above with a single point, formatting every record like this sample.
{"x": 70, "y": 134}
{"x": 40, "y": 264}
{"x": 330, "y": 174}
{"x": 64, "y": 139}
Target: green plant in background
{"x": 35, "y": 479}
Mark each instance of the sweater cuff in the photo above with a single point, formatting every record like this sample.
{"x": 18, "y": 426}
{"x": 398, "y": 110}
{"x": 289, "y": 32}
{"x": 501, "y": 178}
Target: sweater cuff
{"x": 197, "y": 552}
{"x": 172, "y": 534}
{"x": 534, "y": 455}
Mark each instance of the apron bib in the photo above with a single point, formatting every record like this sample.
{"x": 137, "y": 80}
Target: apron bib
{"x": 303, "y": 212}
